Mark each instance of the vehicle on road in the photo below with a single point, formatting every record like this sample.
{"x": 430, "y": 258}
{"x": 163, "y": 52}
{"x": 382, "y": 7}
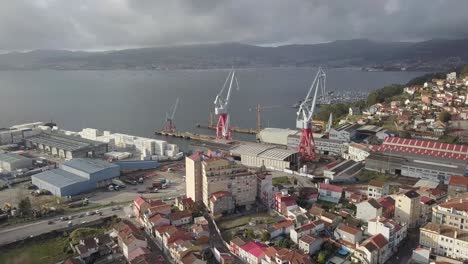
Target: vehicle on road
{"x": 116, "y": 208}
{"x": 81, "y": 216}
{"x": 70, "y": 223}
{"x": 89, "y": 213}
{"x": 50, "y": 222}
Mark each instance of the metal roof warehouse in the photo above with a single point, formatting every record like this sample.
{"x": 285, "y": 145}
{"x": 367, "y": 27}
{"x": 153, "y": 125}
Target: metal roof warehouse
{"x": 257, "y": 155}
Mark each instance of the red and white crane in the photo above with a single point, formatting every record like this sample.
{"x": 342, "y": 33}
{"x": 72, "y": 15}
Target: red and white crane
{"x": 223, "y": 128}
{"x": 170, "y": 126}
{"x": 304, "y": 117}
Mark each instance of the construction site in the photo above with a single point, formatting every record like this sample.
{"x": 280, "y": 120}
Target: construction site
{"x": 300, "y": 149}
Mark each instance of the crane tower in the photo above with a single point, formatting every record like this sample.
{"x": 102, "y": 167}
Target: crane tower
{"x": 170, "y": 127}
{"x": 304, "y": 117}
{"x": 223, "y": 127}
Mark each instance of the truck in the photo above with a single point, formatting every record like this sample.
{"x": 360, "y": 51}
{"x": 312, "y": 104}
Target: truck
{"x": 79, "y": 203}
{"x": 157, "y": 185}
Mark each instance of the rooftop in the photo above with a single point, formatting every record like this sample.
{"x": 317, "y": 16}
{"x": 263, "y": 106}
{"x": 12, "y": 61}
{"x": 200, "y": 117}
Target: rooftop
{"x": 12, "y": 157}
{"x": 431, "y": 148}
{"x": 376, "y": 183}
{"x": 330, "y": 187}
{"x": 62, "y": 141}
{"x": 459, "y": 203}
{"x": 89, "y": 165}
{"x": 262, "y": 151}
{"x": 458, "y": 181}
{"x": 59, "y": 178}
{"x": 349, "y": 229}
{"x": 348, "y": 127}
{"x": 446, "y": 230}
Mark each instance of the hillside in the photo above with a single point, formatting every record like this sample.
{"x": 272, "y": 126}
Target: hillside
{"x": 427, "y": 55}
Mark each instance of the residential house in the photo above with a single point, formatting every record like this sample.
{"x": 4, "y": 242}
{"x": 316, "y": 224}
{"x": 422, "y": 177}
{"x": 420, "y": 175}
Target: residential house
{"x": 373, "y": 250}
{"x": 330, "y": 193}
{"x": 137, "y": 252}
{"x": 369, "y": 209}
{"x": 284, "y": 202}
{"x": 86, "y": 247}
{"x": 390, "y": 229}
{"x": 252, "y": 252}
{"x": 160, "y": 231}
{"x": 348, "y": 235}
{"x": 453, "y": 212}
{"x": 330, "y": 220}
{"x": 222, "y": 202}
{"x": 129, "y": 237}
{"x": 427, "y": 204}
{"x": 388, "y": 206}
{"x": 445, "y": 240}
{"x": 287, "y": 256}
{"x": 408, "y": 208}
{"x": 156, "y": 221}
{"x": 199, "y": 231}
{"x": 184, "y": 203}
{"x": 235, "y": 244}
{"x": 377, "y": 189}
{"x": 307, "y": 229}
{"x": 457, "y": 185}
{"x": 181, "y": 218}
{"x": 310, "y": 244}
{"x": 281, "y": 228}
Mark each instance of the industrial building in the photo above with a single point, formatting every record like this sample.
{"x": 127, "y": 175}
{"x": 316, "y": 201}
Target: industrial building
{"x": 66, "y": 146}
{"x": 11, "y": 162}
{"x": 291, "y": 138}
{"x": 16, "y": 134}
{"x": 344, "y": 133}
{"x": 344, "y": 171}
{"x": 419, "y": 159}
{"x": 76, "y": 176}
{"x": 258, "y": 155}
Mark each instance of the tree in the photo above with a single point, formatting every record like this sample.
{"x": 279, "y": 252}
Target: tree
{"x": 249, "y": 233}
{"x": 322, "y": 257}
{"x": 445, "y": 116}
{"x": 24, "y": 207}
{"x": 265, "y": 236}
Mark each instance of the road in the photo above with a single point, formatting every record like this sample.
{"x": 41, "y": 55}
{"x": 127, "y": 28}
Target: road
{"x": 405, "y": 250}
{"x": 217, "y": 241}
{"x": 40, "y": 227}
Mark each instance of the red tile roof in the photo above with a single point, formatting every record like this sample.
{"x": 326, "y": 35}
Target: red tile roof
{"x": 349, "y": 229}
{"x": 430, "y": 148}
{"x": 330, "y": 187}
{"x": 379, "y": 240}
{"x": 139, "y": 201}
{"x": 219, "y": 194}
{"x": 459, "y": 203}
{"x": 254, "y": 248}
{"x": 426, "y": 200}
{"x": 180, "y": 214}
{"x": 375, "y": 183}
{"x": 283, "y": 224}
{"x": 137, "y": 252}
{"x": 458, "y": 181}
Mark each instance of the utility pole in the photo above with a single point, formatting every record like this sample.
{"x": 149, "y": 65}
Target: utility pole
{"x": 259, "y": 120}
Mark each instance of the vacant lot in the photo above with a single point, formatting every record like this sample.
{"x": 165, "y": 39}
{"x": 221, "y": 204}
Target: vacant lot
{"x": 264, "y": 218}
{"x": 47, "y": 251}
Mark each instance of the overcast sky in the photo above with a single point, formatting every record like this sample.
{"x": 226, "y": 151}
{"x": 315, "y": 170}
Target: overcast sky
{"x": 118, "y": 24}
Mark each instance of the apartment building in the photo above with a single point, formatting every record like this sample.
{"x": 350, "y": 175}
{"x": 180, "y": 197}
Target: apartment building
{"x": 358, "y": 152}
{"x": 193, "y": 176}
{"x": 457, "y": 185}
{"x": 453, "y": 213}
{"x": 368, "y": 209}
{"x": 444, "y": 240}
{"x": 408, "y": 208}
{"x": 223, "y": 174}
{"x": 377, "y": 189}
{"x": 390, "y": 229}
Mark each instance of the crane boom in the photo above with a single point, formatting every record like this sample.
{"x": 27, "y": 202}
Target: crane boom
{"x": 223, "y": 129}
{"x": 170, "y": 127}
{"x": 304, "y": 117}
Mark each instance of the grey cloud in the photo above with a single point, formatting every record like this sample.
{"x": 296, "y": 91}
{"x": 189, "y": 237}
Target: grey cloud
{"x": 91, "y": 24}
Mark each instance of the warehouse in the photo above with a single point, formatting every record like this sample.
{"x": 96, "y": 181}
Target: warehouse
{"x": 77, "y": 176}
{"x": 345, "y": 133}
{"x": 11, "y": 162}
{"x": 416, "y": 165}
{"x": 257, "y": 155}
{"x": 66, "y": 146}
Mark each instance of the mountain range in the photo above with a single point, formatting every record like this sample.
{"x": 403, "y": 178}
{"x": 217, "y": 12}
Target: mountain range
{"x": 373, "y": 55}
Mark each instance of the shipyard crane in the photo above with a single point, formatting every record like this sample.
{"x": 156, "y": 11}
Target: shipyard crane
{"x": 223, "y": 128}
{"x": 170, "y": 126}
{"x": 304, "y": 117}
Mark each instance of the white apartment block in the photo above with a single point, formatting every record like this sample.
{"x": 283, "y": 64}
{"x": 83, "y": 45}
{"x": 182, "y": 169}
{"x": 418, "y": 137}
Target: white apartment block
{"x": 444, "y": 240}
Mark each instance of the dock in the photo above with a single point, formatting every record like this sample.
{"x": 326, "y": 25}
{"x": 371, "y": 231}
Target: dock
{"x": 251, "y": 131}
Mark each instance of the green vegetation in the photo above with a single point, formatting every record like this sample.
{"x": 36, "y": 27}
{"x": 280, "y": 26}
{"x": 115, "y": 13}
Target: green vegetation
{"x": 367, "y": 175}
{"x": 339, "y": 111}
{"x": 281, "y": 181}
{"x": 250, "y": 234}
{"x": 245, "y": 220}
{"x": 47, "y": 251}
{"x": 384, "y": 94}
{"x": 265, "y": 236}
{"x": 24, "y": 207}
{"x": 426, "y": 78}
{"x": 82, "y": 233}
{"x": 448, "y": 139}
{"x": 284, "y": 243}
{"x": 445, "y": 116}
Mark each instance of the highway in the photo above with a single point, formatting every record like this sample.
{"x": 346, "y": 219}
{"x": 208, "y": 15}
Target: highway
{"x": 20, "y": 232}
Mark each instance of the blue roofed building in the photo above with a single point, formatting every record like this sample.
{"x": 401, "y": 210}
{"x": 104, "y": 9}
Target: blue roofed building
{"x": 77, "y": 176}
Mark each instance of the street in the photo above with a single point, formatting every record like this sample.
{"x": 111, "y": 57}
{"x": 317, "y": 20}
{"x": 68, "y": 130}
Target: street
{"x": 40, "y": 227}
{"x": 405, "y": 250}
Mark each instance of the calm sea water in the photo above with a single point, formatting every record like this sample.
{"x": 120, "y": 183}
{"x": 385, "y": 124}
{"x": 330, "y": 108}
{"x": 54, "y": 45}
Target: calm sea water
{"x": 135, "y": 102}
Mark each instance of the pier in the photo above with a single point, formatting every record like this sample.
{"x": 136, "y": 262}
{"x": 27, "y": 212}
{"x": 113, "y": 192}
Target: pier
{"x": 251, "y": 131}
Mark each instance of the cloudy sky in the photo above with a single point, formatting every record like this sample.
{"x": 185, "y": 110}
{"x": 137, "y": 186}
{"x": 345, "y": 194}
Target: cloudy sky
{"x": 118, "y": 24}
